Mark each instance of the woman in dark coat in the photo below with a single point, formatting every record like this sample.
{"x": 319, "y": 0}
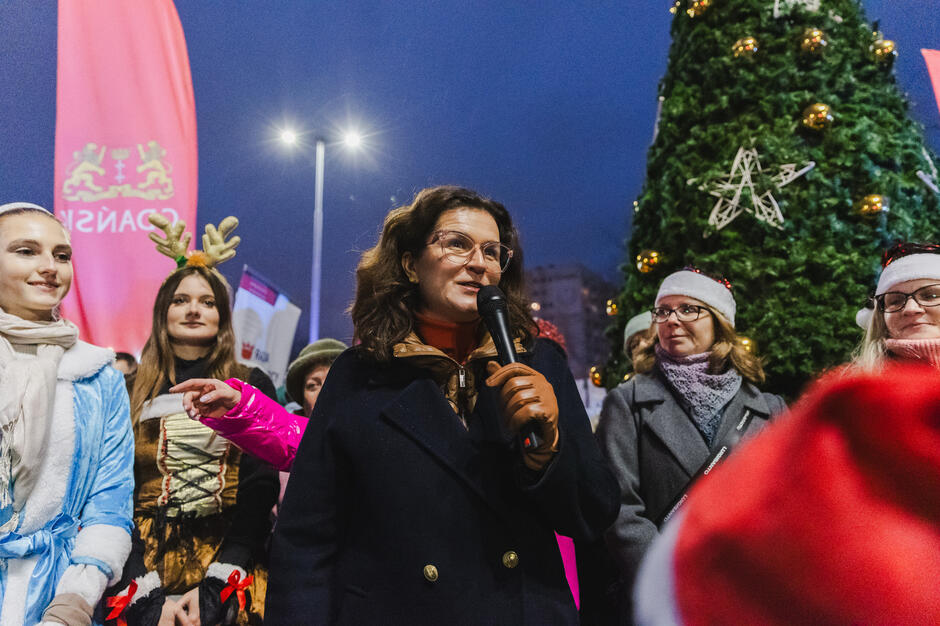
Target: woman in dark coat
{"x": 695, "y": 384}
{"x": 407, "y": 502}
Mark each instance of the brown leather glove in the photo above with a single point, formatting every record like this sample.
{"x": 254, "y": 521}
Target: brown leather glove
{"x": 527, "y": 395}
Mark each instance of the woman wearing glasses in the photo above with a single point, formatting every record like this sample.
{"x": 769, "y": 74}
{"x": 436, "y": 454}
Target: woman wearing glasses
{"x": 407, "y": 503}
{"x": 694, "y": 395}
{"x": 905, "y": 324}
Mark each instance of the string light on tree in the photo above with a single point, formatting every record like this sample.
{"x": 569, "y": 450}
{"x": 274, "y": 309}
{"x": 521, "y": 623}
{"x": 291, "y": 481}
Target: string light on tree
{"x": 883, "y": 50}
{"x": 817, "y": 117}
{"x": 871, "y": 205}
{"x": 731, "y": 191}
{"x": 814, "y": 41}
{"x": 745, "y": 47}
{"x": 612, "y": 308}
{"x": 747, "y": 343}
{"x": 597, "y": 376}
{"x": 698, "y": 7}
{"x": 647, "y": 260}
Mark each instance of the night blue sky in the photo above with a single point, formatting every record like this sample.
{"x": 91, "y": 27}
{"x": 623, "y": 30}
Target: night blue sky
{"x": 547, "y": 107}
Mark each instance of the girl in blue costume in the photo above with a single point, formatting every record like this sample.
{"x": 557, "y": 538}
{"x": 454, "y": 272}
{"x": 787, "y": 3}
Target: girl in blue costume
{"x": 66, "y": 448}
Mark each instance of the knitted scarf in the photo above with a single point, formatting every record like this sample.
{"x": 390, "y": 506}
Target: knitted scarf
{"x": 701, "y": 394}
{"x": 27, "y": 394}
{"x": 923, "y": 350}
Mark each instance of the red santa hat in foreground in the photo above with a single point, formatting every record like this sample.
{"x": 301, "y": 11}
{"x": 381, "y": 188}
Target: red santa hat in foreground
{"x": 831, "y": 516}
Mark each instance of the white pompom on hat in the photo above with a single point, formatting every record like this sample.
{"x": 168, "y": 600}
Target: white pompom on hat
{"x": 11, "y": 206}
{"x": 695, "y": 284}
{"x": 910, "y": 267}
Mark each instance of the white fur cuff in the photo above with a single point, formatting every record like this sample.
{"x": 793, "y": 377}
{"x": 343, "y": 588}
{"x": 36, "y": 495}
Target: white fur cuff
{"x": 223, "y": 570}
{"x": 105, "y": 546}
{"x": 145, "y": 584}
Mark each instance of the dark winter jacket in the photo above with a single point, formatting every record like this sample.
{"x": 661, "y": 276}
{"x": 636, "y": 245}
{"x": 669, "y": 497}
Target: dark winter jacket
{"x": 396, "y": 513}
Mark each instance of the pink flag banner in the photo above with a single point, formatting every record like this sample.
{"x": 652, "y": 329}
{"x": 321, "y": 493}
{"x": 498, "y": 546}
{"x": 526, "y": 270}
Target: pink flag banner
{"x": 932, "y": 57}
{"x": 125, "y": 147}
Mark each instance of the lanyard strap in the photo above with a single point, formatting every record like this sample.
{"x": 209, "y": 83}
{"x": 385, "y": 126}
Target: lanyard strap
{"x": 731, "y": 439}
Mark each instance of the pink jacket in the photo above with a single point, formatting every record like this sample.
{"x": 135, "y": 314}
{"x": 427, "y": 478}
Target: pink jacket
{"x": 260, "y": 426}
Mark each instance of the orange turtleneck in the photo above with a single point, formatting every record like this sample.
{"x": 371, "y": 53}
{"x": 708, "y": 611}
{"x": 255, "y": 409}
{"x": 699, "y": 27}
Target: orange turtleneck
{"x": 455, "y": 339}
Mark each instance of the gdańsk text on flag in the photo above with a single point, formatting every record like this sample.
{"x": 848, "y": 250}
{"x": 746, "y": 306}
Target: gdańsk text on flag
{"x": 125, "y": 147}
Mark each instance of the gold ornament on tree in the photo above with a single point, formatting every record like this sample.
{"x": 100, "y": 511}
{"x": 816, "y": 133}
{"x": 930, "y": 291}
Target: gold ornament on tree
{"x": 747, "y": 343}
{"x": 813, "y": 42}
{"x": 745, "y": 47}
{"x": 612, "y": 307}
{"x": 646, "y": 260}
{"x": 697, "y": 7}
{"x": 597, "y": 376}
{"x": 871, "y": 205}
{"x": 817, "y": 116}
{"x": 883, "y": 50}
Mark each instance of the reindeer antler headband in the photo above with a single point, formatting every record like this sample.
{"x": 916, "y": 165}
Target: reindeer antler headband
{"x": 215, "y": 248}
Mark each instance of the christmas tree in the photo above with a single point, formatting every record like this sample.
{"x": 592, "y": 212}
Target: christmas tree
{"x": 785, "y": 161}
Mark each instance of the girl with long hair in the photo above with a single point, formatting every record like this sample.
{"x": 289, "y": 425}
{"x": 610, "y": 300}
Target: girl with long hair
{"x": 66, "y": 448}
{"x": 201, "y": 506}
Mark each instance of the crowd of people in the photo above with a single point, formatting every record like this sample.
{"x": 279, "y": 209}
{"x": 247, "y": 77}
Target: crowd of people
{"x": 428, "y": 477}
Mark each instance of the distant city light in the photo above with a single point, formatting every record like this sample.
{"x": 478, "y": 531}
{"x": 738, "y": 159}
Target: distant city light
{"x": 288, "y": 137}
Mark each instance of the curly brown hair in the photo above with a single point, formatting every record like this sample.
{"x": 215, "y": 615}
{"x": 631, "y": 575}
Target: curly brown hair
{"x": 386, "y": 301}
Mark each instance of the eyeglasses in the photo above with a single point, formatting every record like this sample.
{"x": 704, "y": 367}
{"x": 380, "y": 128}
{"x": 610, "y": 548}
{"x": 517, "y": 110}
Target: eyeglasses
{"x": 684, "y": 313}
{"x": 894, "y": 301}
{"x": 905, "y": 248}
{"x": 458, "y": 248}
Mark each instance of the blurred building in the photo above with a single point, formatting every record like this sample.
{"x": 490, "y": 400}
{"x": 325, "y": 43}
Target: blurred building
{"x": 574, "y": 299}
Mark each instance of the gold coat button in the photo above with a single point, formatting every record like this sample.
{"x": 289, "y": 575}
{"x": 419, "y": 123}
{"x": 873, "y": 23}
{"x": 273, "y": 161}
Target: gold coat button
{"x": 510, "y": 559}
{"x": 430, "y": 573}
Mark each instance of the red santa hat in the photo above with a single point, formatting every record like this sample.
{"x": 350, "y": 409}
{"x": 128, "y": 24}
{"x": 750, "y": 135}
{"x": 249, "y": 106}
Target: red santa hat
{"x": 830, "y": 516}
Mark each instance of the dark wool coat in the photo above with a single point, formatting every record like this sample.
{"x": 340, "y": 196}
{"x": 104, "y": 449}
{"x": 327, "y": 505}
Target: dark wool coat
{"x": 655, "y": 449}
{"x": 396, "y": 513}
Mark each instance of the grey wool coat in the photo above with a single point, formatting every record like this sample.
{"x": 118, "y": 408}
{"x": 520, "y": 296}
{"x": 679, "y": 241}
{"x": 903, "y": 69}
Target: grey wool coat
{"x": 655, "y": 449}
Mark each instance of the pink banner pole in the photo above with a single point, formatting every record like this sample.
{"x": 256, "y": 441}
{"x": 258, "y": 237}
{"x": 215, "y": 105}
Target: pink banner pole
{"x": 125, "y": 148}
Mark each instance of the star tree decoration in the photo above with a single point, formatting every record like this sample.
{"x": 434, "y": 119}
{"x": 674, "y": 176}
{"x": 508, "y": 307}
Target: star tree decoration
{"x": 731, "y": 191}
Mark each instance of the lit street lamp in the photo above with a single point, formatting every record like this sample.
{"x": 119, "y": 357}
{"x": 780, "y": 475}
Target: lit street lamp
{"x": 351, "y": 139}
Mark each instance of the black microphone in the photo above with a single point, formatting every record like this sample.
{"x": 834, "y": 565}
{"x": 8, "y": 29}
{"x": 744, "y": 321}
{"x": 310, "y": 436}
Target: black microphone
{"x": 491, "y": 305}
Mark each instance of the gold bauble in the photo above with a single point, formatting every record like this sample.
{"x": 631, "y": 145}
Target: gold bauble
{"x": 814, "y": 41}
{"x": 872, "y": 204}
{"x": 627, "y": 376}
{"x": 646, "y": 260}
{"x": 817, "y": 116}
{"x": 747, "y": 343}
{"x": 744, "y": 47}
{"x": 884, "y": 51}
{"x": 597, "y": 376}
{"x": 612, "y": 307}
{"x": 697, "y": 7}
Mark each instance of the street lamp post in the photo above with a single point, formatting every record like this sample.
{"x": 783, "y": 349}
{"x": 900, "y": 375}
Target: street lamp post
{"x": 353, "y": 140}
{"x": 315, "y": 267}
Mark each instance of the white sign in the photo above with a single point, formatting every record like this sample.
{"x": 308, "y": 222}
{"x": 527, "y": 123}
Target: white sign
{"x": 265, "y": 322}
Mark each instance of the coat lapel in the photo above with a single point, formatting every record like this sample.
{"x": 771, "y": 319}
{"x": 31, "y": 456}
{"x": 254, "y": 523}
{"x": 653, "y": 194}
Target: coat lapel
{"x": 669, "y": 422}
{"x": 747, "y": 399}
{"x": 421, "y": 413}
